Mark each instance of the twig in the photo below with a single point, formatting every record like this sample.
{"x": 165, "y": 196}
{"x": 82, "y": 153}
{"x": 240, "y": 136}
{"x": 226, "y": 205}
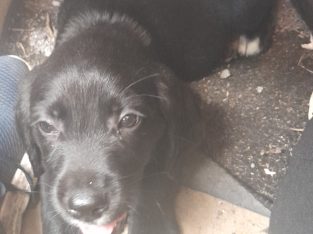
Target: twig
{"x": 21, "y": 29}
{"x": 20, "y": 46}
{"x": 302, "y": 66}
{"x": 49, "y": 27}
{"x": 297, "y": 129}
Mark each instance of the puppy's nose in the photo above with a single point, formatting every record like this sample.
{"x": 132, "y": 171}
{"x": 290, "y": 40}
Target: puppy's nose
{"x": 87, "y": 206}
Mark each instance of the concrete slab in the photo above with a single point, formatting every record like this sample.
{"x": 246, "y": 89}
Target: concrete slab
{"x": 199, "y": 213}
{"x": 214, "y": 180}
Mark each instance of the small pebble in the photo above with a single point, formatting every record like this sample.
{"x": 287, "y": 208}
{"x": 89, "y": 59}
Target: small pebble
{"x": 259, "y": 89}
{"x": 275, "y": 150}
{"x": 225, "y": 74}
{"x": 252, "y": 165}
{"x": 269, "y": 172}
{"x": 56, "y": 3}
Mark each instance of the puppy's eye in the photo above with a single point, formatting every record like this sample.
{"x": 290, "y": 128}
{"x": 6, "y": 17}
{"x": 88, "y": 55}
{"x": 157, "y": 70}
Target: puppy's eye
{"x": 129, "y": 121}
{"x": 46, "y": 127}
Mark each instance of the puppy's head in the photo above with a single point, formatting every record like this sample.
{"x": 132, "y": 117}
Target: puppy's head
{"x": 93, "y": 127}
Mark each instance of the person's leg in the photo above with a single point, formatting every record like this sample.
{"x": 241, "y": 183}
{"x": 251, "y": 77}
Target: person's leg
{"x": 12, "y": 69}
{"x": 292, "y": 212}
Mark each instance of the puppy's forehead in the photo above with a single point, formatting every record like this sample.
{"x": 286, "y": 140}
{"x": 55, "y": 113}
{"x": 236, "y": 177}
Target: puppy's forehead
{"x": 82, "y": 90}
{"x": 86, "y": 83}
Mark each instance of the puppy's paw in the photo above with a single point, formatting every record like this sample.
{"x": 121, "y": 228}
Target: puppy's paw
{"x": 249, "y": 47}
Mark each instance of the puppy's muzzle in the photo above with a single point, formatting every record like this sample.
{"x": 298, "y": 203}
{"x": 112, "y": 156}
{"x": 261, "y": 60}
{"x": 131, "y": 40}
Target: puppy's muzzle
{"x": 84, "y": 196}
{"x": 86, "y": 204}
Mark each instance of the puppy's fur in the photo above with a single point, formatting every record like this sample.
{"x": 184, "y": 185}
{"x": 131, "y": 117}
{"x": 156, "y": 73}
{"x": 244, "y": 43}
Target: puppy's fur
{"x": 190, "y": 36}
{"x": 105, "y": 119}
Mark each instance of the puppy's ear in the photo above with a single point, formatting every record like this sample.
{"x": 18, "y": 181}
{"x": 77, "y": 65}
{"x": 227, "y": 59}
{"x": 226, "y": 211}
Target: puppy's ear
{"x": 181, "y": 107}
{"x": 193, "y": 124}
{"x": 22, "y": 119}
{"x": 181, "y": 110}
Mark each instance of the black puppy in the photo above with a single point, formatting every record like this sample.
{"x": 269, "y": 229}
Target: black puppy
{"x": 190, "y": 36}
{"x": 106, "y": 124}
{"x": 104, "y": 118}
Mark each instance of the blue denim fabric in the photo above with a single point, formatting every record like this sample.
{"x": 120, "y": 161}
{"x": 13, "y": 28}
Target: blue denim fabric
{"x": 12, "y": 70}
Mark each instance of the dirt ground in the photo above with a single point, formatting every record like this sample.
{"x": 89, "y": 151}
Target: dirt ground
{"x": 264, "y": 101}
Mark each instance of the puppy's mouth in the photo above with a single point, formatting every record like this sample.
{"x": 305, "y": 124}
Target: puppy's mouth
{"x": 117, "y": 226}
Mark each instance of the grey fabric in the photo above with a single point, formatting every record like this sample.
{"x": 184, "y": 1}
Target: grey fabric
{"x": 11, "y": 149}
{"x": 292, "y": 212}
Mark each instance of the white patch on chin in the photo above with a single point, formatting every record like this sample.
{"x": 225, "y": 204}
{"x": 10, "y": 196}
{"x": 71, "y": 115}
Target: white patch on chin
{"x": 94, "y": 229}
{"x": 100, "y": 231}
{"x": 101, "y": 228}
{"x": 249, "y": 47}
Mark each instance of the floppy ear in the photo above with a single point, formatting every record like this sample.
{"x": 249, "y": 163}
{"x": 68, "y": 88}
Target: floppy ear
{"x": 22, "y": 119}
{"x": 180, "y": 107}
{"x": 193, "y": 125}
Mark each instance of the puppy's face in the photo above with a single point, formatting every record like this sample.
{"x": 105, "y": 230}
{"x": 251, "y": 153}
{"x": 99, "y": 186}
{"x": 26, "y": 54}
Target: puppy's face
{"x": 95, "y": 131}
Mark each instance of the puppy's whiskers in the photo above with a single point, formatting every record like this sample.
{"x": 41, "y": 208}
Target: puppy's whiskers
{"x": 148, "y": 95}
{"x": 45, "y": 184}
{"x": 138, "y": 81}
{"x": 54, "y": 150}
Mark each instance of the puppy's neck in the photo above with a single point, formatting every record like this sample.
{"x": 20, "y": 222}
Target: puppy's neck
{"x": 89, "y": 19}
